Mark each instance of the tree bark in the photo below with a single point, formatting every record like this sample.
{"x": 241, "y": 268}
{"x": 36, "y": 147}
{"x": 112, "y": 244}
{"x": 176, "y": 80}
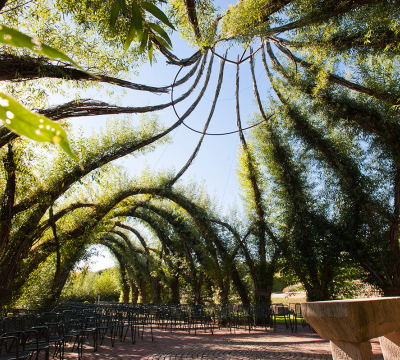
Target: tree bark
{"x": 135, "y": 293}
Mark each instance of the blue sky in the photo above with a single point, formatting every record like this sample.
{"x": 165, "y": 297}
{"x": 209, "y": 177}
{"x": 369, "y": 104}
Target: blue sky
{"x": 216, "y": 161}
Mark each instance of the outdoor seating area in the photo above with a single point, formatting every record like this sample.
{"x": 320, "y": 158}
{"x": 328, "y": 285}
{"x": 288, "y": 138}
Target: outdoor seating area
{"x": 28, "y": 333}
{"x": 200, "y": 179}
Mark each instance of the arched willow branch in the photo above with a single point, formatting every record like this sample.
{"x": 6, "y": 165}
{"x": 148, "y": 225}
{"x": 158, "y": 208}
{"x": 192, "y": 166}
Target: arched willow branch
{"x": 138, "y": 235}
{"x": 92, "y": 164}
{"x": 187, "y": 235}
{"x": 184, "y": 116}
{"x": 88, "y": 107}
{"x": 188, "y": 75}
{"x": 384, "y": 39}
{"x": 6, "y": 135}
{"x": 338, "y": 79}
{"x": 174, "y": 60}
{"x": 241, "y": 242}
{"x": 126, "y": 241}
{"x": 66, "y": 211}
{"x": 22, "y": 68}
{"x": 250, "y": 168}
{"x": 331, "y": 9}
{"x": 368, "y": 118}
{"x": 352, "y": 181}
{"x": 201, "y": 221}
{"x": 196, "y": 150}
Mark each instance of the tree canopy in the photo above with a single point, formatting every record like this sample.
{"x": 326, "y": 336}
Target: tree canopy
{"x": 318, "y": 162}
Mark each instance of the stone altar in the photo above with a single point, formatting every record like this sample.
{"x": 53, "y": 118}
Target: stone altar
{"x": 350, "y": 324}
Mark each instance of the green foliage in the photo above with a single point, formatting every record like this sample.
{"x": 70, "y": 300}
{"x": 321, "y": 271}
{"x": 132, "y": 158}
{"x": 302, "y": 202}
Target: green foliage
{"x": 123, "y": 21}
{"x": 33, "y": 126}
{"x": 318, "y": 179}
{"x": 19, "y": 119}
{"x": 245, "y": 20}
{"x": 154, "y": 10}
{"x": 347, "y": 283}
{"x": 281, "y": 282}
{"x": 15, "y": 38}
{"x": 37, "y": 288}
{"x": 207, "y": 18}
{"x": 86, "y": 285}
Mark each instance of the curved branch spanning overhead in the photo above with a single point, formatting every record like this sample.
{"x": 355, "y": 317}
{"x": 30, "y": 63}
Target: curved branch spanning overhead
{"x": 383, "y": 39}
{"x": 79, "y": 171}
{"x": 199, "y": 217}
{"x": 46, "y": 224}
{"x": 22, "y": 68}
{"x": 368, "y": 118}
{"x": 88, "y": 107}
{"x": 172, "y": 59}
{"x": 338, "y": 79}
{"x": 196, "y": 150}
{"x": 330, "y": 9}
{"x": 101, "y": 108}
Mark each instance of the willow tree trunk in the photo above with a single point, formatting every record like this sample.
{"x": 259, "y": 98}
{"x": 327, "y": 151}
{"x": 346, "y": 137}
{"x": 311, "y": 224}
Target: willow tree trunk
{"x": 156, "y": 289}
{"x": 125, "y": 293}
{"x": 197, "y": 289}
{"x": 143, "y": 291}
{"x": 135, "y": 293}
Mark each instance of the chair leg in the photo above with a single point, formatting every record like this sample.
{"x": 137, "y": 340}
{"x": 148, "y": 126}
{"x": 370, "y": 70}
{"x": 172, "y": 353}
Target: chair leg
{"x": 95, "y": 341}
{"x": 134, "y": 331}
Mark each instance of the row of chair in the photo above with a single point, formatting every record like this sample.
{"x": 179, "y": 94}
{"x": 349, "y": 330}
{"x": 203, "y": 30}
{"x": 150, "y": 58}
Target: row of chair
{"x": 26, "y": 334}
{"x": 29, "y": 332}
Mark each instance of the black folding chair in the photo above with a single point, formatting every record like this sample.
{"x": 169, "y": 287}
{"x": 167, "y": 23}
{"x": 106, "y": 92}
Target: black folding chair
{"x": 90, "y": 328}
{"x": 280, "y": 311}
{"x": 10, "y": 348}
{"x": 105, "y": 324}
{"x": 55, "y": 328}
{"x": 141, "y": 319}
{"x": 73, "y": 331}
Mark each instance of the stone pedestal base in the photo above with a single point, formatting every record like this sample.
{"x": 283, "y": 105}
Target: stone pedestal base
{"x": 390, "y": 345}
{"x": 343, "y": 350}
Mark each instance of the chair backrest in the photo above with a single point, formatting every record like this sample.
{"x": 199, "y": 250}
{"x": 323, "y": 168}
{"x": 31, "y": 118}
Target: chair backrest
{"x": 27, "y": 321}
{"x": 260, "y": 310}
{"x": 9, "y": 344}
{"x": 50, "y": 317}
{"x": 12, "y": 324}
{"x": 69, "y": 315}
{"x": 72, "y": 326}
{"x": 105, "y": 320}
{"x": 282, "y": 310}
{"x": 90, "y": 322}
{"x": 297, "y": 309}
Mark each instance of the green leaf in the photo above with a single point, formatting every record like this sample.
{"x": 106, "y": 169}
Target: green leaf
{"x": 129, "y": 37}
{"x": 162, "y": 32}
{"x": 122, "y": 4}
{"x": 150, "y": 52}
{"x": 154, "y": 10}
{"x": 115, "y": 7}
{"x": 15, "y": 38}
{"x": 162, "y": 42}
{"x": 144, "y": 41}
{"x": 31, "y": 125}
{"x": 137, "y": 18}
